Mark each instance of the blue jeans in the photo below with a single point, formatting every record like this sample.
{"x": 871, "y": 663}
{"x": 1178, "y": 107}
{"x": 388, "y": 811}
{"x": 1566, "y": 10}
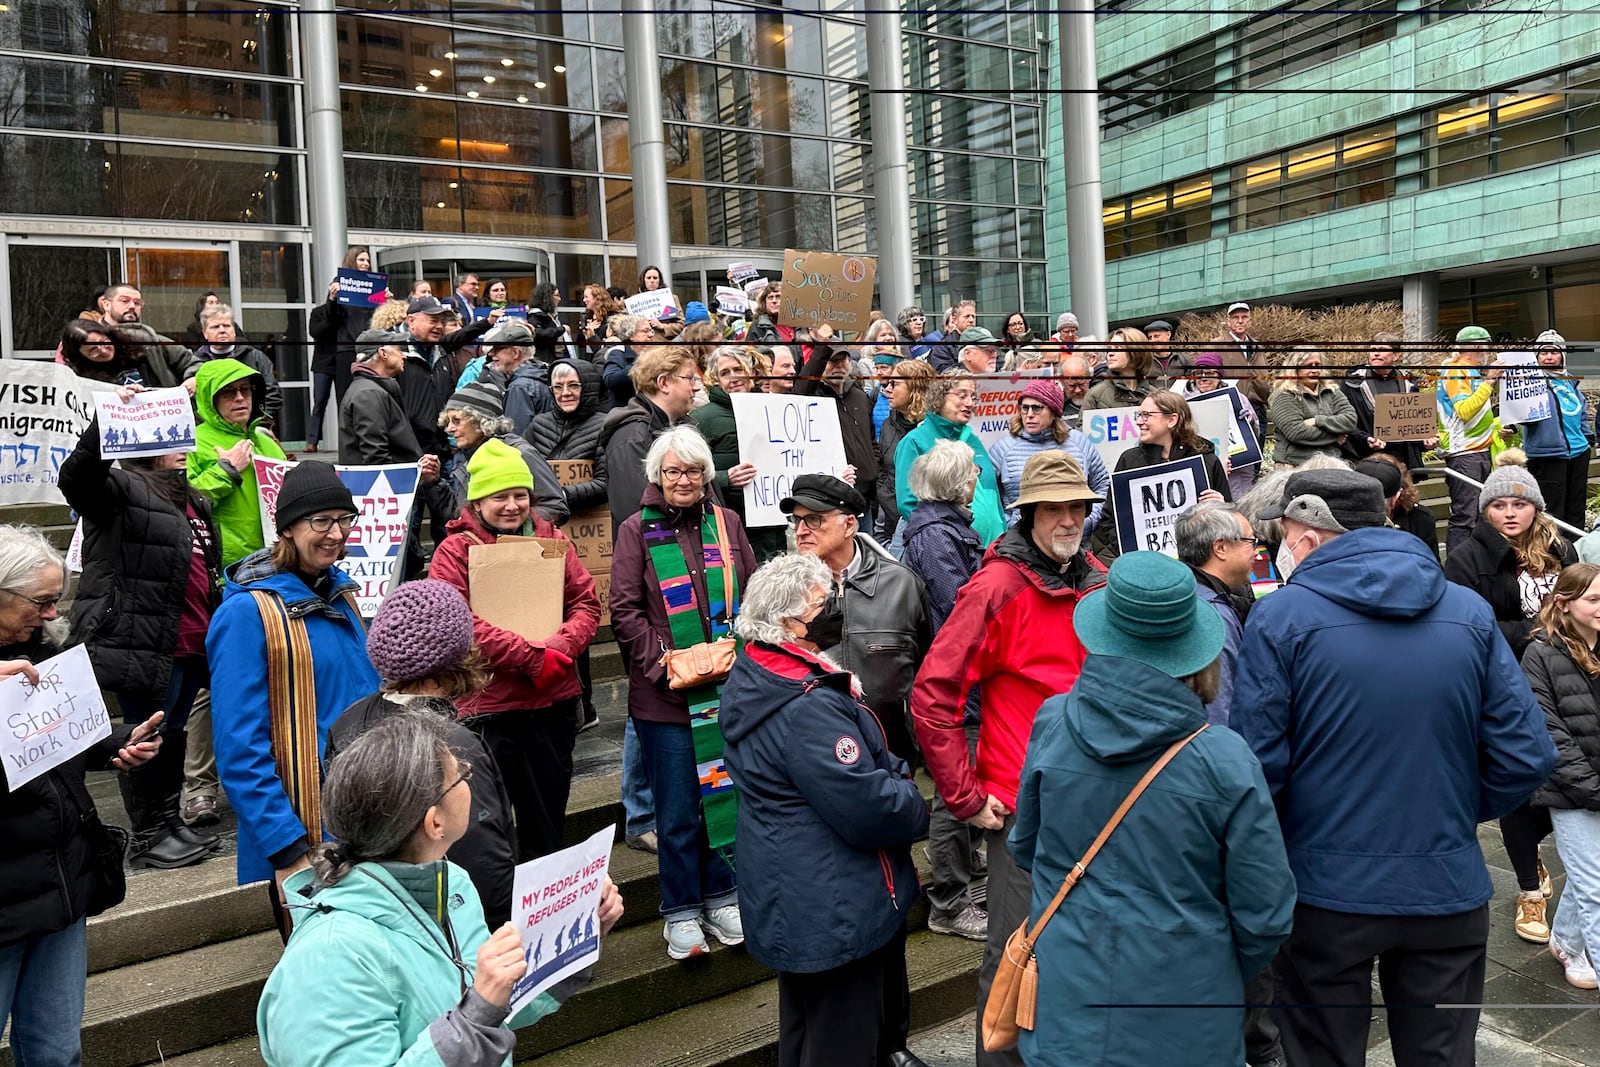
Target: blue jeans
{"x": 692, "y": 876}
{"x": 42, "y": 980}
{"x": 1577, "y": 922}
{"x": 638, "y": 806}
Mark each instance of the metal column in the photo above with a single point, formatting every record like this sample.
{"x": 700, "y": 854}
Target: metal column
{"x": 646, "y": 137}
{"x": 1080, "y": 118}
{"x": 319, "y": 40}
{"x": 891, "y": 174}
{"x": 1419, "y": 296}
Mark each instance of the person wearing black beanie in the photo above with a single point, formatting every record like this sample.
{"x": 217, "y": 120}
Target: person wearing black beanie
{"x": 309, "y": 488}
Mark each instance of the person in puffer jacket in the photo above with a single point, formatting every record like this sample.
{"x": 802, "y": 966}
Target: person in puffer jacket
{"x": 819, "y": 792}
{"x": 572, "y": 429}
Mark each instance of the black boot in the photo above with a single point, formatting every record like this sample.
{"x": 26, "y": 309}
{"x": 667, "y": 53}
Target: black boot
{"x": 164, "y": 849}
{"x": 145, "y": 790}
{"x": 171, "y": 804}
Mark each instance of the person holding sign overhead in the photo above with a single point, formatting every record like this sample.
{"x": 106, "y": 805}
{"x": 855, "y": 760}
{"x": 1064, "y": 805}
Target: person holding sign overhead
{"x": 951, "y": 400}
{"x": 1166, "y": 432}
{"x": 1558, "y": 447}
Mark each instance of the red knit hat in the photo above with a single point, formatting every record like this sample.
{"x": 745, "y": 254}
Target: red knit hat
{"x": 1046, "y": 392}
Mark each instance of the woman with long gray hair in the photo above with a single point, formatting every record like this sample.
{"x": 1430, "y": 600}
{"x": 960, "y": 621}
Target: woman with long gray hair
{"x": 819, "y": 791}
{"x": 390, "y": 960}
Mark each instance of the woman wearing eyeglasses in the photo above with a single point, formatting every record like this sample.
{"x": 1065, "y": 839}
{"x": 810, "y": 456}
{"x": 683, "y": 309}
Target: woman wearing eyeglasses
{"x": 1166, "y": 433}
{"x": 1038, "y": 426}
{"x": 391, "y": 961}
{"x": 289, "y": 639}
{"x": 677, "y": 573}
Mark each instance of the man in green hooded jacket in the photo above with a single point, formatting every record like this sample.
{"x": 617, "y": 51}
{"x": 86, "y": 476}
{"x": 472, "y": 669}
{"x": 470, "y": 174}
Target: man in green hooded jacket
{"x": 230, "y": 398}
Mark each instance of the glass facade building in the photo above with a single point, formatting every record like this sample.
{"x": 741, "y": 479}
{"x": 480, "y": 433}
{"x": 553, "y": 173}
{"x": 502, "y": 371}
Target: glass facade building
{"x": 166, "y": 144}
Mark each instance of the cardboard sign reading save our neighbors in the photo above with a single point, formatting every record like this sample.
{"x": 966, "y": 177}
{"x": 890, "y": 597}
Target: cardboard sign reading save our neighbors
{"x": 826, "y": 287}
{"x": 1406, "y": 416}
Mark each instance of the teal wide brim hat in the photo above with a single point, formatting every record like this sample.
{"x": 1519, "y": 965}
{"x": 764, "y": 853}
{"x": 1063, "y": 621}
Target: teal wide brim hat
{"x": 1148, "y": 611}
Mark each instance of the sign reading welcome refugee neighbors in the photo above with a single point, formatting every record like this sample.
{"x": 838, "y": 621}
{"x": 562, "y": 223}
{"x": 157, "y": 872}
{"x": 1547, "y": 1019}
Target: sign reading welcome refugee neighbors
{"x": 47, "y": 724}
{"x": 826, "y": 287}
{"x": 784, "y": 435}
{"x": 361, "y": 288}
{"x": 156, "y": 422}
{"x": 1148, "y": 501}
{"x": 555, "y": 905}
{"x": 1525, "y": 396}
{"x": 44, "y": 407}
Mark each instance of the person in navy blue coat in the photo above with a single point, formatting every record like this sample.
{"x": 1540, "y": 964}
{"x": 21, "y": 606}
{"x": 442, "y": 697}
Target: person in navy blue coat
{"x": 1390, "y": 718}
{"x": 827, "y": 816}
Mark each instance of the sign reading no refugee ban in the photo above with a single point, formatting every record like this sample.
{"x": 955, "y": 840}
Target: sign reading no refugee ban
{"x": 556, "y": 904}
{"x": 375, "y": 549}
{"x": 1149, "y": 500}
{"x": 43, "y": 409}
{"x": 784, "y": 435}
{"x": 1525, "y": 396}
{"x": 823, "y": 287}
{"x": 156, "y": 422}
{"x": 49, "y": 723}
{"x": 1406, "y": 416}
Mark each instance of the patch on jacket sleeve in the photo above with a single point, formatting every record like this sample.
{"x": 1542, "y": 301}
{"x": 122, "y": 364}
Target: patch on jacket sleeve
{"x": 847, "y": 750}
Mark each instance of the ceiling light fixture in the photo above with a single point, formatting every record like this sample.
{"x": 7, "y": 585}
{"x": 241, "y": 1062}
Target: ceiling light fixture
{"x": 449, "y": 55}
{"x": 560, "y": 68}
{"x": 434, "y": 72}
{"x": 488, "y": 79}
{"x": 507, "y": 62}
{"x": 539, "y": 85}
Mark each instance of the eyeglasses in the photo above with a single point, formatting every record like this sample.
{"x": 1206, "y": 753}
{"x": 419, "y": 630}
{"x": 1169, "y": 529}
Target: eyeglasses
{"x": 43, "y": 603}
{"x": 1146, "y": 416}
{"x": 465, "y": 775}
{"x": 324, "y": 523}
{"x": 1032, "y": 409}
{"x": 1253, "y": 542}
{"x": 567, "y": 387}
{"x": 682, "y": 474}
{"x": 813, "y": 521}
{"x": 685, "y": 377}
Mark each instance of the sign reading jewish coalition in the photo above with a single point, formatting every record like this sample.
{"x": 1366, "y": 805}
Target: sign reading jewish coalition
{"x": 49, "y": 723}
{"x": 557, "y": 900}
{"x": 156, "y": 422}
{"x": 823, "y": 287}
{"x": 43, "y": 409}
{"x": 375, "y": 548}
{"x": 361, "y": 288}
{"x": 1406, "y": 416}
{"x": 1524, "y": 394}
{"x": 784, "y": 435}
{"x": 1148, "y": 501}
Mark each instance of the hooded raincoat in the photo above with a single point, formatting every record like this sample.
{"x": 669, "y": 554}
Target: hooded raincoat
{"x": 235, "y": 498}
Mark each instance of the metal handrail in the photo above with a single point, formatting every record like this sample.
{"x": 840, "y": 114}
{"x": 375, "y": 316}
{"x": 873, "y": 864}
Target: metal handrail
{"x": 1564, "y": 527}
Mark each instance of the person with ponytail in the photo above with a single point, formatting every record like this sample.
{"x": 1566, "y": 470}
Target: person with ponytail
{"x": 391, "y": 961}
{"x": 1512, "y": 559}
{"x": 1563, "y": 671}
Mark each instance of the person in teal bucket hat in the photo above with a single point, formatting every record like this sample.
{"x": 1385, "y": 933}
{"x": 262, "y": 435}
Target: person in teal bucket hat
{"x": 1195, "y": 876}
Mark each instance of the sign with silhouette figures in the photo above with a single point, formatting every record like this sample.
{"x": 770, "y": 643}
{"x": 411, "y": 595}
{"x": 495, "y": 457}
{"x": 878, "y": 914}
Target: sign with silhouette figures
{"x": 556, "y": 905}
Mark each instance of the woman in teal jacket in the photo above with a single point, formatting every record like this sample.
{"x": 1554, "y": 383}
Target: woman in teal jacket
{"x": 952, "y": 399}
{"x": 391, "y": 962}
{"x": 1195, "y": 876}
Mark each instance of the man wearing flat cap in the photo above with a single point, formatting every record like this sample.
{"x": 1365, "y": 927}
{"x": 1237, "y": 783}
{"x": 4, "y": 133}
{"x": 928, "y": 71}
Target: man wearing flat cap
{"x": 1390, "y": 718}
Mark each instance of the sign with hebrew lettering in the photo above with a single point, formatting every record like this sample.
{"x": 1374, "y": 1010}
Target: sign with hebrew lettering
{"x": 1148, "y": 501}
{"x": 784, "y": 435}
{"x": 43, "y": 409}
{"x": 375, "y": 547}
{"x": 156, "y": 422}
{"x": 47, "y": 724}
{"x": 826, "y": 287}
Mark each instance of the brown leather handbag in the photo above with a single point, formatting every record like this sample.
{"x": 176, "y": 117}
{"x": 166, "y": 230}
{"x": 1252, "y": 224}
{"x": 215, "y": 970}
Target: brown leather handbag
{"x": 1014, "y": 993}
{"x": 706, "y": 662}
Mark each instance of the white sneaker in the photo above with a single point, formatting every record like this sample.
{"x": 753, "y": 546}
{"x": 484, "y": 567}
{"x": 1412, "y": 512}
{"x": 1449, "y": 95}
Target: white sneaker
{"x": 724, "y": 924}
{"x": 1580, "y": 972}
{"x": 684, "y": 939}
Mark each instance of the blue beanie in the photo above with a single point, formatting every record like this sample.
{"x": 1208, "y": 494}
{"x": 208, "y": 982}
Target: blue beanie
{"x": 696, "y": 312}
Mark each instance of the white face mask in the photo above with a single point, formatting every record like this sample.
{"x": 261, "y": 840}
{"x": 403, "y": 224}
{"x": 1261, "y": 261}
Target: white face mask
{"x": 1285, "y": 561}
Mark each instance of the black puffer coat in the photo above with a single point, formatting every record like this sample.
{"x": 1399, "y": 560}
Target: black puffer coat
{"x": 1571, "y": 703}
{"x": 46, "y": 862}
{"x": 556, "y": 435}
{"x": 136, "y": 553}
{"x": 1486, "y": 564}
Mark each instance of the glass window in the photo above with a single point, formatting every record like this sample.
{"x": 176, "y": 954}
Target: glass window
{"x": 533, "y": 205}
{"x": 533, "y": 137}
{"x": 849, "y": 111}
{"x": 64, "y": 97}
{"x": 170, "y": 278}
{"x": 49, "y": 286}
{"x": 1030, "y": 183}
{"x": 615, "y": 154}
{"x": 850, "y": 171}
{"x": 856, "y": 226}
{"x": 1577, "y": 310}
{"x": 269, "y": 272}
{"x": 389, "y": 54}
{"x": 249, "y": 39}
{"x": 845, "y": 46}
{"x": 619, "y": 210}
{"x": 59, "y": 176}
{"x": 196, "y": 108}
{"x": 611, "y": 81}
{"x": 204, "y": 185}
{"x": 1461, "y": 142}
{"x": 1529, "y": 128}
{"x": 519, "y": 70}
{"x": 394, "y": 195}
{"x": 387, "y": 124}
{"x": 513, "y": 16}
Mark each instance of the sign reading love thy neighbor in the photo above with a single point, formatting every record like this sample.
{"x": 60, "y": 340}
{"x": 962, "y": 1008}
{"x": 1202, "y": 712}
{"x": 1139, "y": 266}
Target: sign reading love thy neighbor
{"x": 156, "y": 422}
{"x": 1406, "y": 416}
{"x": 784, "y": 435}
{"x": 49, "y": 723}
{"x": 1525, "y": 396}
{"x": 1148, "y": 501}
{"x": 556, "y": 903}
{"x": 361, "y": 288}
{"x": 823, "y": 287}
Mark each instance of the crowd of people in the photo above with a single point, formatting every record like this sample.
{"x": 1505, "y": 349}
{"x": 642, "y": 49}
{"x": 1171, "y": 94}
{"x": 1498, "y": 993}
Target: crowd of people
{"x": 936, "y": 602}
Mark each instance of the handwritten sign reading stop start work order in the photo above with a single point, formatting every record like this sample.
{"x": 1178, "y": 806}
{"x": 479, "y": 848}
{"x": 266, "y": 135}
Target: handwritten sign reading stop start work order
{"x": 784, "y": 435}
{"x": 49, "y": 723}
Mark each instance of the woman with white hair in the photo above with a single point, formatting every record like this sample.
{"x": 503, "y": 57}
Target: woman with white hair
{"x": 820, "y": 792}
{"x": 678, "y": 569}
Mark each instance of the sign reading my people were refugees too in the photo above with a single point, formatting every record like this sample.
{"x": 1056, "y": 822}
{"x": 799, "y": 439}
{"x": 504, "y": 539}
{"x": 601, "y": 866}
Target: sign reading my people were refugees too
{"x": 375, "y": 547}
{"x": 1148, "y": 501}
{"x": 556, "y": 908}
{"x": 1525, "y": 396}
{"x": 43, "y": 409}
{"x": 361, "y": 288}
{"x": 47, "y": 724}
{"x": 784, "y": 435}
{"x": 826, "y": 287}
{"x": 731, "y": 301}
{"x": 1406, "y": 416}
{"x": 156, "y": 422}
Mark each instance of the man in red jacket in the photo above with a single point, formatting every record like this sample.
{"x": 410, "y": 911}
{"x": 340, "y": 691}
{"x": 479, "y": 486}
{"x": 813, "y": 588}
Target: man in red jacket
{"x": 1011, "y": 634}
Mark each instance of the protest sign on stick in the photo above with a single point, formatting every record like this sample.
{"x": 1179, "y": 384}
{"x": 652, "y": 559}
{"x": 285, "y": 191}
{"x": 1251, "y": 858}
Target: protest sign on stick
{"x": 361, "y": 288}
{"x": 156, "y": 422}
{"x": 50, "y": 723}
{"x": 731, "y": 301}
{"x": 1148, "y": 501}
{"x": 1525, "y": 396}
{"x": 826, "y": 287}
{"x": 784, "y": 435}
{"x": 1406, "y": 416}
{"x": 43, "y": 409}
{"x": 556, "y": 909}
{"x": 1219, "y": 418}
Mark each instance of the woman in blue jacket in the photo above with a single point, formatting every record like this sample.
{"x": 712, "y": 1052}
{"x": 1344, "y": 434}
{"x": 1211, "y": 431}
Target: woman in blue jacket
{"x": 1195, "y": 876}
{"x": 288, "y": 652}
{"x": 826, "y": 820}
{"x": 1558, "y": 447}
